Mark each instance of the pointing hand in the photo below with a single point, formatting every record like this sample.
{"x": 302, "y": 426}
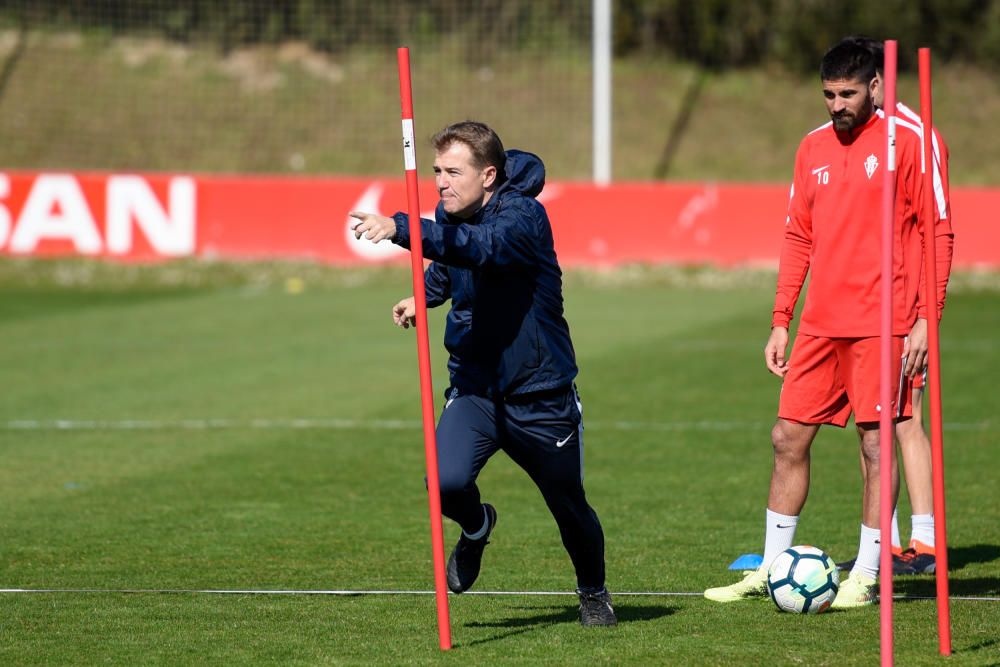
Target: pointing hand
{"x": 373, "y": 227}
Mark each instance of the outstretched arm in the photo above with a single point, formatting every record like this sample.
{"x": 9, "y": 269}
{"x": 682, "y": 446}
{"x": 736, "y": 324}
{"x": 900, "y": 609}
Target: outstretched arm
{"x": 511, "y": 237}
{"x": 509, "y": 240}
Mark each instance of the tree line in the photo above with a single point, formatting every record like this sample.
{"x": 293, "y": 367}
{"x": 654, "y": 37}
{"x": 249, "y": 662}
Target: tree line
{"x": 717, "y": 34}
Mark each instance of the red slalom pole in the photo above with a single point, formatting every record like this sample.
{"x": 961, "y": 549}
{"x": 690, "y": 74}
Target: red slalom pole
{"x": 423, "y": 348}
{"x": 934, "y": 358}
{"x": 886, "y": 422}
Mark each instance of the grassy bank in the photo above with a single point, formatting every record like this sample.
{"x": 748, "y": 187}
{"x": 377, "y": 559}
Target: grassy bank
{"x": 82, "y": 101}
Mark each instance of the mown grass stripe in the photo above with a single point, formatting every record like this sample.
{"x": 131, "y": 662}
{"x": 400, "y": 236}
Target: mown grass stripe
{"x": 349, "y": 593}
{"x": 379, "y": 425}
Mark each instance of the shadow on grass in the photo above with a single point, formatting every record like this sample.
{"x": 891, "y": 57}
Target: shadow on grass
{"x": 984, "y": 644}
{"x": 959, "y": 557}
{"x": 517, "y": 625}
{"x": 926, "y": 586}
{"x": 989, "y": 643}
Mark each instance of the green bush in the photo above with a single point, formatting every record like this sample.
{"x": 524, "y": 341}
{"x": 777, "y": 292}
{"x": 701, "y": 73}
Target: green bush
{"x": 716, "y": 34}
{"x": 796, "y": 33}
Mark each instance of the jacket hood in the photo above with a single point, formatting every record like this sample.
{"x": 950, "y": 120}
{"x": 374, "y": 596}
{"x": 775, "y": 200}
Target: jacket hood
{"x": 525, "y": 174}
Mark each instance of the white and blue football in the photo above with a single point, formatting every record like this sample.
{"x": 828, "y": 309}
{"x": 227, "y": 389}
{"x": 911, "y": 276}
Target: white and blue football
{"x": 803, "y": 580}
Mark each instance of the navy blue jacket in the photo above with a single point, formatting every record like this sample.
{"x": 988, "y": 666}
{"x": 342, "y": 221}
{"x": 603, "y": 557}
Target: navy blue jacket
{"x": 505, "y": 332}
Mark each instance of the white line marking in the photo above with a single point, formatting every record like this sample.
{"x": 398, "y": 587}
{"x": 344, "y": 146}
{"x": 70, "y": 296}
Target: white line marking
{"x": 211, "y": 591}
{"x": 337, "y": 424}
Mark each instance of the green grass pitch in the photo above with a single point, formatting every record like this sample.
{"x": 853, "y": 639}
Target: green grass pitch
{"x": 137, "y": 491}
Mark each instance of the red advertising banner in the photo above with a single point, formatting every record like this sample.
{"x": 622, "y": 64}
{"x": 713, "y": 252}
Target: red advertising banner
{"x": 142, "y": 217}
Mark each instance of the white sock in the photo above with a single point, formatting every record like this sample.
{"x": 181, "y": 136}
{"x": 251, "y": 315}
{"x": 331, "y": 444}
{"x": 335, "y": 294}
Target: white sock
{"x": 481, "y": 533}
{"x": 895, "y": 530}
{"x": 922, "y": 528}
{"x": 868, "y": 553}
{"x": 779, "y": 536}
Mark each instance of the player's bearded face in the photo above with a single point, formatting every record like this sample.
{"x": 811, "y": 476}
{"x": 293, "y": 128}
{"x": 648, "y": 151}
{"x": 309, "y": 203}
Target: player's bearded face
{"x": 849, "y": 103}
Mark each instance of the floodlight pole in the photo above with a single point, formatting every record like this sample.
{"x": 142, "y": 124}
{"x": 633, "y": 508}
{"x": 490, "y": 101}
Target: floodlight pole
{"x": 601, "y": 91}
{"x": 930, "y": 216}
{"x": 423, "y": 348}
{"x": 886, "y": 420}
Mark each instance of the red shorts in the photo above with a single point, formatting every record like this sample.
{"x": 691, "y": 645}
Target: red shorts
{"x": 829, "y": 377}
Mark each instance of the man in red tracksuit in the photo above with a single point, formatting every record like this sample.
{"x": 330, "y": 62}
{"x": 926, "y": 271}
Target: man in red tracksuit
{"x": 833, "y": 233}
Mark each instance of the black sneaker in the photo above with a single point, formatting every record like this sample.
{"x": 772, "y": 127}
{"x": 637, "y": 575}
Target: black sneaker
{"x": 595, "y": 609}
{"x": 900, "y": 565}
{"x": 467, "y": 556}
{"x": 914, "y": 562}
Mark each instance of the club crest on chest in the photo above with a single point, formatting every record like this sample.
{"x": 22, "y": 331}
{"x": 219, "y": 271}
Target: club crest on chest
{"x": 871, "y": 164}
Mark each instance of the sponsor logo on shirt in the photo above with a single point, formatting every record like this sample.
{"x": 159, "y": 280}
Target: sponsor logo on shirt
{"x": 822, "y": 174}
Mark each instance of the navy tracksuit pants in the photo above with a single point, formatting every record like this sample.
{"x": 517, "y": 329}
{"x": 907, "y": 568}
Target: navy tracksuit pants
{"x": 542, "y": 433}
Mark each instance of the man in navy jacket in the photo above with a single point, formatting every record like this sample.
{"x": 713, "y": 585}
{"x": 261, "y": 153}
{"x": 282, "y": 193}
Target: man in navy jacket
{"x": 511, "y": 360}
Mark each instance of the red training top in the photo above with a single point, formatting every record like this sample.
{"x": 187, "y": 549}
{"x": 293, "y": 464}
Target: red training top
{"x": 834, "y": 228}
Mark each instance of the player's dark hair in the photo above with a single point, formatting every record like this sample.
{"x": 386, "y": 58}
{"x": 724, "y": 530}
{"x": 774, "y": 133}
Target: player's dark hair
{"x": 486, "y": 147}
{"x": 876, "y": 46}
{"x": 848, "y": 61}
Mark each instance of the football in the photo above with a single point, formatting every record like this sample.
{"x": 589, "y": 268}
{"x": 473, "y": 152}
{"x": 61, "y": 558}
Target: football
{"x": 803, "y": 580}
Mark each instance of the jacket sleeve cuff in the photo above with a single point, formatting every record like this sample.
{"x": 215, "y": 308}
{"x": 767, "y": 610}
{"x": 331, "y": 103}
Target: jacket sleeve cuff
{"x": 402, "y": 235}
{"x": 780, "y": 319}
{"x": 922, "y": 313}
